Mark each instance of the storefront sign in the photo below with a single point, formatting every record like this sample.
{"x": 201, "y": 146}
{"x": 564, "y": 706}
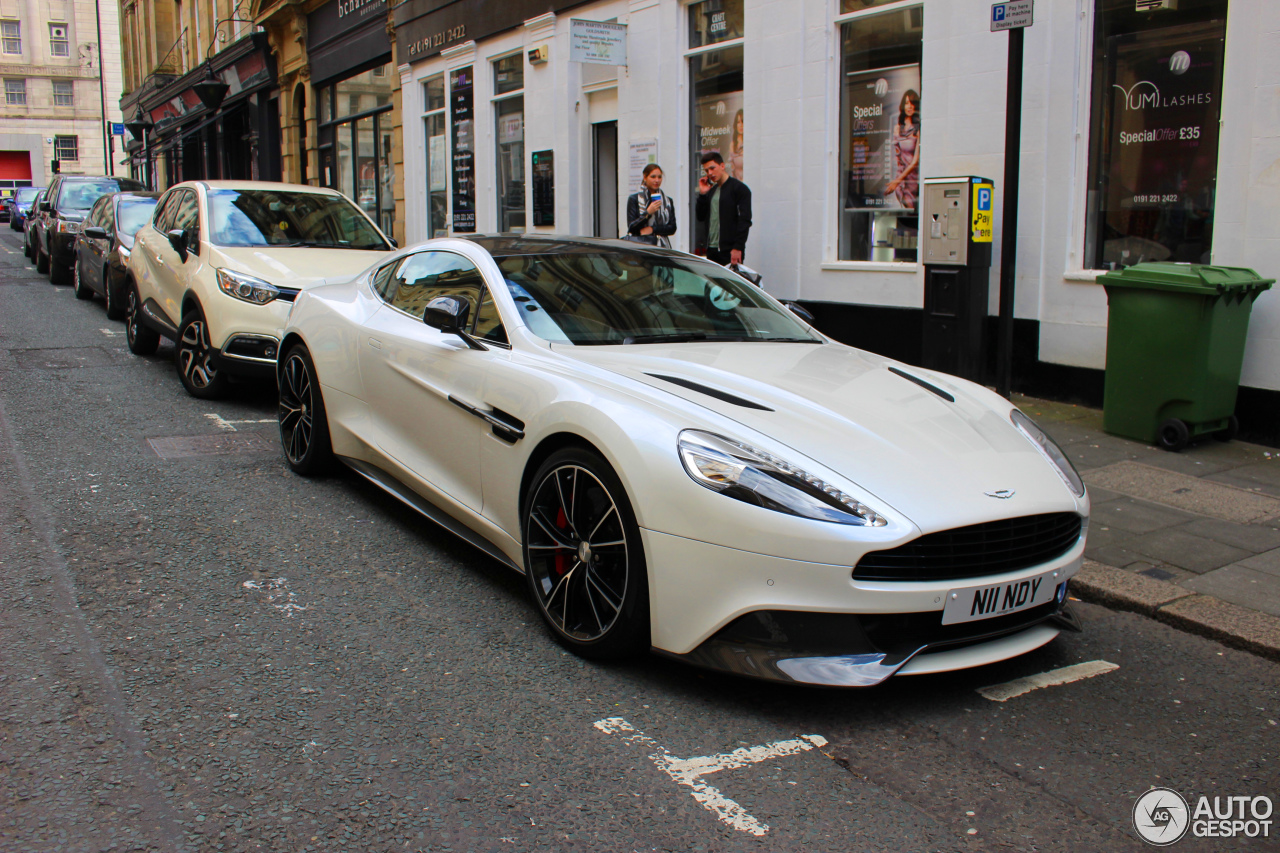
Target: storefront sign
{"x": 597, "y": 43}
{"x": 642, "y": 152}
{"x": 462, "y": 115}
{"x": 423, "y": 28}
{"x": 882, "y": 118}
{"x": 343, "y": 35}
{"x": 1160, "y": 162}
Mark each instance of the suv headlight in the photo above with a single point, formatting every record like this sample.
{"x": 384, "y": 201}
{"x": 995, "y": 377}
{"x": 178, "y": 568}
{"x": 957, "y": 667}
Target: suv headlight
{"x": 66, "y": 226}
{"x": 1050, "y": 451}
{"x": 245, "y": 287}
{"x": 760, "y": 478}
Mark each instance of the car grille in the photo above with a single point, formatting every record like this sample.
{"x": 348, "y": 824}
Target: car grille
{"x": 991, "y": 548}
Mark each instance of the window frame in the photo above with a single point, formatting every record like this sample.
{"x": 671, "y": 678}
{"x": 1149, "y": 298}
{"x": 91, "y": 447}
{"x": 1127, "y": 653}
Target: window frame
{"x": 6, "y": 38}
{"x": 10, "y": 94}
{"x": 65, "y": 42}
{"x": 69, "y": 95}
{"x": 60, "y": 145}
{"x": 495, "y": 102}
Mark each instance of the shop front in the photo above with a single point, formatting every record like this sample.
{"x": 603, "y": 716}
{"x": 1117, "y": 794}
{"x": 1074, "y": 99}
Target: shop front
{"x": 236, "y": 138}
{"x": 353, "y": 86}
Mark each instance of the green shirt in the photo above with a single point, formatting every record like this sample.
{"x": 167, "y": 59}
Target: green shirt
{"x": 713, "y": 223}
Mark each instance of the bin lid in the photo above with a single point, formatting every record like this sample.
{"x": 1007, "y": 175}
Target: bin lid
{"x": 1204, "y": 279}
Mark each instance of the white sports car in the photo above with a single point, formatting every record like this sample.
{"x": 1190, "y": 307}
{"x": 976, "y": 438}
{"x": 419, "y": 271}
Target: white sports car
{"x": 676, "y": 462}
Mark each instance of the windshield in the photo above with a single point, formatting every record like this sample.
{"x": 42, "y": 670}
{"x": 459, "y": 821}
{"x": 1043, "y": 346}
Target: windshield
{"x": 289, "y": 218}
{"x": 26, "y": 194}
{"x": 626, "y": 298}
{"x": 133, "y": 214}
{"x": 77, "y": 195}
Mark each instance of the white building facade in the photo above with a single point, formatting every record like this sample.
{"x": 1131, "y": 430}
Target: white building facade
{"x": 1150, "y": 131}
{"x": 61, "y": 73}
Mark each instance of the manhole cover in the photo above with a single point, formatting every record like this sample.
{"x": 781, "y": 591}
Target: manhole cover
{"x": 184, "y": 446}
{"x": 62, "y": 359}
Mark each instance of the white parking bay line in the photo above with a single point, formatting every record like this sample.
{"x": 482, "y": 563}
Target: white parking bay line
{"x": 689, "y": 771}
{"x": 1052, "y": 678}
{"x": 223, "y": 423}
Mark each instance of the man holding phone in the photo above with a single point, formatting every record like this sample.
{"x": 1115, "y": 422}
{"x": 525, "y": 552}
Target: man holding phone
{"x": 724, "y": 203}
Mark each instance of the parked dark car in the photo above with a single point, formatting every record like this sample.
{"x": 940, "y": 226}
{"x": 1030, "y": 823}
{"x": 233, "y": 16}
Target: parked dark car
{"x": 103, "y": 246}
{"x": 20, "y": 206}
{"x": 28, "y": 226}
{"x": 65, "y": 205}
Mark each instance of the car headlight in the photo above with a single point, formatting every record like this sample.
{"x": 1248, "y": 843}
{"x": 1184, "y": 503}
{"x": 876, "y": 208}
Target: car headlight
{"x": 738, "y": 471}
{"x": 1050, "y": 451}
{"x": 245, "y": 287}
{"x": 66, "y": 226}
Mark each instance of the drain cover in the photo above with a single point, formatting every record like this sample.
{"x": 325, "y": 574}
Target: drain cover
{"x": 222, "y": 444}
{"x": 62, "y": 359}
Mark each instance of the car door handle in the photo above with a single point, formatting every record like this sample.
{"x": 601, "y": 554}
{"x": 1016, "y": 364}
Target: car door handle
{"x": 375, "y": 343}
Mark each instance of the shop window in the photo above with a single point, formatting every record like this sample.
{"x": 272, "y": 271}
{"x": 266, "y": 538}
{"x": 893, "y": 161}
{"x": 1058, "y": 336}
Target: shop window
{"x": 11, "y": 36}
{"x": 15, "y": 93}
{"x": 355, "y": 142}
{"x": 63, "y": 94}
{"x": 508, "y": 80}
{"x": 880, "y": 134}
{"x": 718, "y": 116}
{"x": 59, "y": 43}
{"x": 462, "y": 153}
{"x": 66, "y": 148}
{"x": 434, "y": 125}
{"x": 1153, "y": 136}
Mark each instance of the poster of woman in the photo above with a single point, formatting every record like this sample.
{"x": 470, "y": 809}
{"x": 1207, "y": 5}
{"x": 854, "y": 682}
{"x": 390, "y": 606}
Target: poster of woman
{"x": 735, "y": 148}
{"x": 906, "y": 152}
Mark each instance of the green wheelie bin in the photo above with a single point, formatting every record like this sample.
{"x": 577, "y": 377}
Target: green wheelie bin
{"x": 1175, "y": 344}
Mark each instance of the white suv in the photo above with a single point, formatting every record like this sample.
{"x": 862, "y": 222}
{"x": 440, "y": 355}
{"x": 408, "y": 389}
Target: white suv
{"x": 220, "y": 263}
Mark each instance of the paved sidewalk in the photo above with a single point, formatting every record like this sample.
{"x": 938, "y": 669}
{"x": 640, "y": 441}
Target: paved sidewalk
{"x": 1190, "y": 538}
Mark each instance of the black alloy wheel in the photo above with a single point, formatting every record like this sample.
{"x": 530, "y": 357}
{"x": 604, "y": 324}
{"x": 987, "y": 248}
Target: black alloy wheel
{"x": 81, "y": 288}
{"x": 142, "y": 339}
{"x": 112, "y": 296}
{"x": 195, "y": 357}
{"x": 304, "y": 426}
{"x": 583, "y": 558}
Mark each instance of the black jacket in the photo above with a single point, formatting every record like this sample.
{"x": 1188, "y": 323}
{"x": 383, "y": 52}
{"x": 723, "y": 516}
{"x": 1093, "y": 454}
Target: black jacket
{"x": 637, "y": 218}
{"x": 735, "y": 213}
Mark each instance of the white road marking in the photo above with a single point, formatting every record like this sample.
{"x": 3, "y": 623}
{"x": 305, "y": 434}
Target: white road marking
{"x": 277, "y": 590}
{"x": 223, "y": 423}
{"x": 112, "y": 333}
{"x": 689, "y": 771}
{"x": 1052, "y": 678}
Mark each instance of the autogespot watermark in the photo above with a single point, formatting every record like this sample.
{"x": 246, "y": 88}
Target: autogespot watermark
{"x": 1162, "y": 817}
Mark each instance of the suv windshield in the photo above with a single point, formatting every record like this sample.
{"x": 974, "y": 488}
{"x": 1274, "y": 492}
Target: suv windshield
{"x": 289, "y": 218}
{"x": 625, "y": 298}
{"x": 81, "y": 195}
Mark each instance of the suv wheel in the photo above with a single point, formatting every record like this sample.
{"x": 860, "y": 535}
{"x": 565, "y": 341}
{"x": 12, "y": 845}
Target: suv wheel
{"x": 196, "y": 368}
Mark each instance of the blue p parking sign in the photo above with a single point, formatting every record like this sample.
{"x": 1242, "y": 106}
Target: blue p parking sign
{"x": 1012, "y": 15}
{"x": 984, "y": 198}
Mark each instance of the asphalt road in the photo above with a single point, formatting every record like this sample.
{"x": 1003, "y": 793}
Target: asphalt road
{"x": 200, "y": 650}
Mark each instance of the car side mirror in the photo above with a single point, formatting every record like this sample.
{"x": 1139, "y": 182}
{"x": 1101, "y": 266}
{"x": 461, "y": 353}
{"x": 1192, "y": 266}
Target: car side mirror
{"x": 392, "y": 241}
{"x": 45, "y": 207}
{"x": 449, "y": 315}
{"x": 94, "y": 232}
{"x": 178, "y": 240}
{"x": 800, "y": 311}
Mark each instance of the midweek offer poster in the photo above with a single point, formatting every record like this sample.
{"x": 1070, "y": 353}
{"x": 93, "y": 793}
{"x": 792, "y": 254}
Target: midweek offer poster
{"x": 719, "y": 128}
{"x": 881, "y": 128}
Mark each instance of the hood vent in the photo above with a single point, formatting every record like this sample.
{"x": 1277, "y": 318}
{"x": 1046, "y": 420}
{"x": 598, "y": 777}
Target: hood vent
{"x": 925, "y": 385}
{"x": 725, "y": 396}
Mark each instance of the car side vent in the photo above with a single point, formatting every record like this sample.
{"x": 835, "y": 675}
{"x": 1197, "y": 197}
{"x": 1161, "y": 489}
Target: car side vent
{"x": 925, "y": 385}
{"x": 710, "y": 392}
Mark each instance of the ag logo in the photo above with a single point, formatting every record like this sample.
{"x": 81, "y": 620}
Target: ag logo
{"x": 1161, "y": 816}
{"x": 1001, "y": 494}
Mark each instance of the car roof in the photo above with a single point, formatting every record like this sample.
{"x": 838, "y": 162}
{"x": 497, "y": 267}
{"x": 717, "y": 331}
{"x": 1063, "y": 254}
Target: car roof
{"x": 137, "y": 194}
{"x": 263, "y": 185}
{"x": 509, "y": 245}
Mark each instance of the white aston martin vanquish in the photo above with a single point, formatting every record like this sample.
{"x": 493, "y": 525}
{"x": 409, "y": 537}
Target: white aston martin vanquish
{"x": 675, "y": 461}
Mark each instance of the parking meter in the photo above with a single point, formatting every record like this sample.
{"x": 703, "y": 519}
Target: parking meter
{"x": 956, "y": 229}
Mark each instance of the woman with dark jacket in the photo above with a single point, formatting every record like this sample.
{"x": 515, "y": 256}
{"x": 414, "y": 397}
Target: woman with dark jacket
{"x": 651, "y": 215}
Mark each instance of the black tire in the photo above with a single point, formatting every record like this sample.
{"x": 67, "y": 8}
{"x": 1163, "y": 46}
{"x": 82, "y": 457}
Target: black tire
{"x": 592, "y": 591}
{"x": 42, "y": 260}
{"x": 304, "y": 424}
{"x": 112, "y": 296}
{"x": 1230, "y": 431}
{"x": 142, "y": 339}
{"x": 195, "y": 357}
{"x": 82, "y": 290}
{"x": 59, "y": 274}
{"x": 1173, "y": 435}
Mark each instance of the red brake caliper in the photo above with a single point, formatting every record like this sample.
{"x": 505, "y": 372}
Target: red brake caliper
{"x": 562, "y": 559}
